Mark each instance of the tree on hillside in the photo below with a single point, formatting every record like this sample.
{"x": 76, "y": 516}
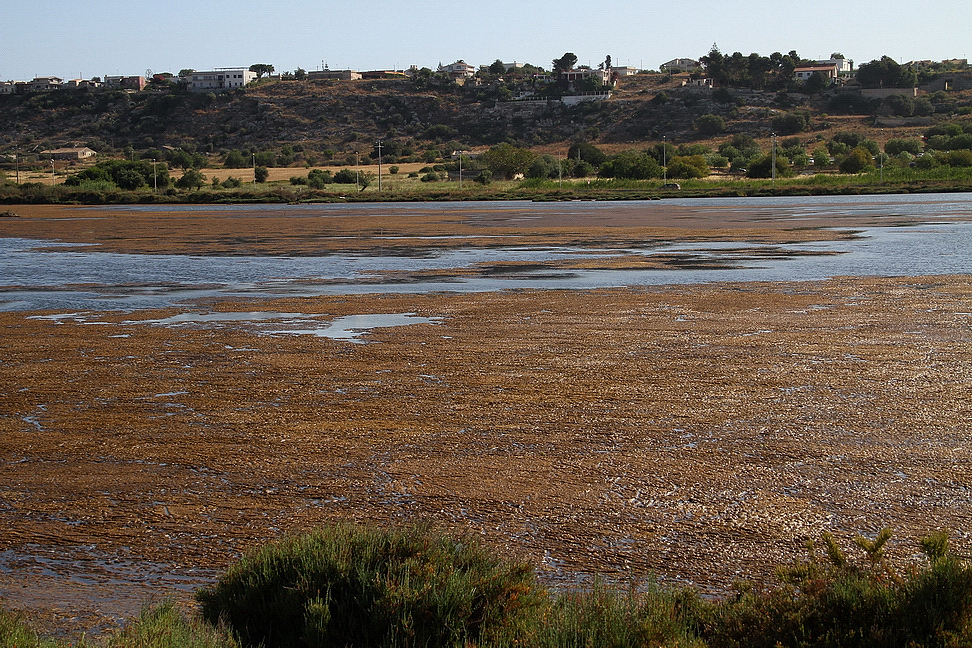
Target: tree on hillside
{"x": 183, "y": 73}
{"x": 586, "y": 152}
{"x": 708, "y": 125}
{"x": 191, "y": 179}
{"x": 565, "y": 62}
{"x": 497, "y": 67}
{"x": 886, "y": 73}
{"x": 261, "y": 68}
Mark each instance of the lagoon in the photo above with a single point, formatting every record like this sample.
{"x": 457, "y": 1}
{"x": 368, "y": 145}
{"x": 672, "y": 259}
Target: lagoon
{"x": 907, "y": 235}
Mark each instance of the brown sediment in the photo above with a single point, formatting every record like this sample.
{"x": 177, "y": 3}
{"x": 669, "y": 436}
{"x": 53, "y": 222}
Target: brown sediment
{"x": 291, "y": 231}
{"x": 699, "y": 433}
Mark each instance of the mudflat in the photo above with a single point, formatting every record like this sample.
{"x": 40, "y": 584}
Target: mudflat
{"x": 698, "y": 433}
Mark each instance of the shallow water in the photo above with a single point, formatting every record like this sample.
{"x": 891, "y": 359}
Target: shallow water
{"x": 33, "y": 278}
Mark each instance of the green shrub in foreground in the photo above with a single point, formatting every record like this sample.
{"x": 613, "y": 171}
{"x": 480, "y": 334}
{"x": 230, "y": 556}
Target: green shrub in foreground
{"x": 16, "y": 633}
{"x": 161, "y": 626}
{"x": 345, "y": 585}
{"x": 610, "y": 617}
{"x": 835, "y": 601}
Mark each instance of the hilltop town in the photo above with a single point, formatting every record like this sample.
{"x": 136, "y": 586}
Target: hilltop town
{"x": 719, "y": 113}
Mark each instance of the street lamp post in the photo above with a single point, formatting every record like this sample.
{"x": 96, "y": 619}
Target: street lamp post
{"x": 664, "y": 159}
{"x": 53, "y": 180}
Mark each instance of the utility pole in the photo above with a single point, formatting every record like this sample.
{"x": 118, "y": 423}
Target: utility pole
{"x": 254, "y": 167}
{"x": 881, "y": 153}
{"x": 53, "y": 181}
{"x": 460, "y": 170}
{"x": 379, "y": 165}
{"x": 774, "y": 158}
{"x": 357, "y": 181}
{"x": 155, "y": 173}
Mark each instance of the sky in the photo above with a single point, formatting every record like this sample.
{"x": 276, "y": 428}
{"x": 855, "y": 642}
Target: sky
{"x": 87, "y": 38}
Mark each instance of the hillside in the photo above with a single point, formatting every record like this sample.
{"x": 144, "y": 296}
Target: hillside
{"x": 310, "y": 122}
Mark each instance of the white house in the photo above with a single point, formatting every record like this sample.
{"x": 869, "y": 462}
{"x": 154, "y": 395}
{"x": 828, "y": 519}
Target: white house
{"x": 7, "y": 87}
{"x": 577, "y": 74}
{"x": 844, "y": 66}
{"x": 624, "y": 71}
{"x": 679, "y": 65}
{"x": 220, "y": 79}
{"x": 458, "y": 70}
{"x": 70, "y": 153}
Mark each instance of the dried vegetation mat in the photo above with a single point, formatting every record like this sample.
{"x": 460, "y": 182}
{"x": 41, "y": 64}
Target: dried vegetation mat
{"x": 697, "y": 433}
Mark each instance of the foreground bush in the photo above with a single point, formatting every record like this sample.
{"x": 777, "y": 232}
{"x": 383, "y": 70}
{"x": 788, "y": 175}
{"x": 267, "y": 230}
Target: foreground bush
{"x": 355, "y": 586}
{"x": 17, "y": 633}
{"x": 834, "y": 601}
{"x": 162, "y": 626}
{"x": 366, "y": 587}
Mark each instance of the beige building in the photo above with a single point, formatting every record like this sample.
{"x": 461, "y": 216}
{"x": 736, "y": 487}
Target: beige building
{"x": 344, "y": 75}
{"x": 78, "y": 153}
{"x": 220, "y": 79}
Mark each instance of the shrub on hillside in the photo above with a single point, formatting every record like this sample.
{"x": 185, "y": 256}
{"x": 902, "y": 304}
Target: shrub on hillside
{"x": 896, "y": 145}
{"x": 345, "y": 176}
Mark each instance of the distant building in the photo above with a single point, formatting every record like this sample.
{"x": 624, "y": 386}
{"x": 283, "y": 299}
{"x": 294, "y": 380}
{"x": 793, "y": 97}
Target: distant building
{"x": 7, "y": 87}
{"x": 77, "y": 84}
{"x": 220, "y": 79}
{"x": 344, "y": 75}
{"x": 45, "y": 84}
{"x": 79, "y": 153}
{"x": 126, "y": 82}
{"x": 624, "y": 71}
{"x": 700, "y": 82}
{"x": 383, "y": 74}
{"x": 844, "y": 66}
{"x": 679, "y": 65}
{"x": 577, "y": 74}
{"x": 829, "y": 71}
{"x": 458, "y": 70}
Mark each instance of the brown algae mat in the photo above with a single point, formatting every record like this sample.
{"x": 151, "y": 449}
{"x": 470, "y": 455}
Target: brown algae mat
{"x": 700, "y": 434}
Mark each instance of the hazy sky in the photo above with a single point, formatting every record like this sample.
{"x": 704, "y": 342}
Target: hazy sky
{"x": 72, "y": 39}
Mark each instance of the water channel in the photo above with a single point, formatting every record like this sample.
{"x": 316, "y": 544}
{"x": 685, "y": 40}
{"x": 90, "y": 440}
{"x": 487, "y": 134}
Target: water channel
{"x": 929, "y": 234}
